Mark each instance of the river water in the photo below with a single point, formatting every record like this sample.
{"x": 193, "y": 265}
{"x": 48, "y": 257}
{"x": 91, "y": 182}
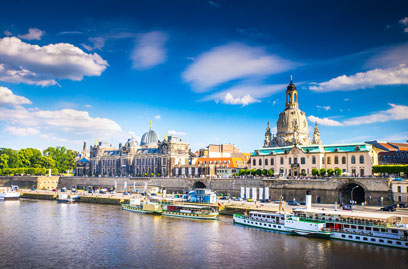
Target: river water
{"x": 45, "y": 234}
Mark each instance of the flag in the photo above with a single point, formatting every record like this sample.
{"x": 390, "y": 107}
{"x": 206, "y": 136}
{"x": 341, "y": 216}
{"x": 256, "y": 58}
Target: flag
{"x": 220, "y": 207}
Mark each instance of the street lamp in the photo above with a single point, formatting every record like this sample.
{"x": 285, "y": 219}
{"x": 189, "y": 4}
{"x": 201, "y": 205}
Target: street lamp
{"x": 352, "y": 201}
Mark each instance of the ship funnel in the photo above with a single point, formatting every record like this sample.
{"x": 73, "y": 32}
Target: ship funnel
{"x": 308, "y": 200}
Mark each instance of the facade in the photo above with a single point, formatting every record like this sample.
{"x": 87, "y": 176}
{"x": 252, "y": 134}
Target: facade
{"x": 391, "y": 153}
{"x": 353, "y": 159}
{"x": 217, "y": 151}
{"x": 292, "y": 153}
{"x": 400, "y": 191}
{"x": 151, "y": 157}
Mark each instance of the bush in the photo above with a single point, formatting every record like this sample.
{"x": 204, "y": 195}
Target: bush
{"x": 322, "y": 172}
{"x": 390, "y": 169}
{"x": 242, "y": 172}
{"x": 330, "y": 172}
{"x": 253, "y": 172}
{"x": 264, "y": 172}
{"x": 270, "y": 172}
{"x": 337, "y": 171}
{"x": 247, "y": 171}
{"x": 258, "y": 172}
{"x": 315, "y": 172}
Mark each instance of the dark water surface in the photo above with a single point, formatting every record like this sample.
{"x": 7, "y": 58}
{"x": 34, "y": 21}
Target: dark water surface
{"x": 45, "y": 234}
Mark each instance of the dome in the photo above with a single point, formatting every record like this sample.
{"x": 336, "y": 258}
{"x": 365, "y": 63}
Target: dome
{"x": 132, "y": 143}
{"x": 149, "y": 138}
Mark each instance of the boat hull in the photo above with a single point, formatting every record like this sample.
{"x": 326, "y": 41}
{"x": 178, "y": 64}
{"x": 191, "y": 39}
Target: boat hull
{"x": 190, "y": 215}
{"x": 9, "y": 196}
{"x": 138, "y": 210}
{"x": 367, "y": 239}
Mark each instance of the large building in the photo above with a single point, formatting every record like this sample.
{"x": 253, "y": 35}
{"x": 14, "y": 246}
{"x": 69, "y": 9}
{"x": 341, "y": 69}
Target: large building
{"x": 391, "y": 153}
{"x": 292, "y": 153}
{"x": 151, "y": 157}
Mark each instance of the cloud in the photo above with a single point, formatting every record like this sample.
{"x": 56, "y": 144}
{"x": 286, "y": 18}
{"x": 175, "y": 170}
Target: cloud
{"x": 404, "y": 21}
{"x": 97, "y": 43}
{"x": 324, "y": 107}
{"x": 157, "y": 117}
{"x": 231, "y": 62}
{"x": 7, "y": 33}
{"x": 173, "y": 132}
{"x": 324, "y": 121}
{"x": 8, "y": 98}
{"x": 389, "y": 76}
{"x": 36, "y": 65}
{"x": 88, "y": 106}
{"x": 396, "y": 112}
{"x": 70, "y": 33}
{"x": 33, "y": 34}
{"x": 21, "y": 131}
{"x": 229, "y": 99}
{"x": 149, "y": 50}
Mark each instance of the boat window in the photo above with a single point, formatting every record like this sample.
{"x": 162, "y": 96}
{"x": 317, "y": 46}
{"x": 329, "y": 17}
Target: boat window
{"x": 406, "y": 244}
{"x": 365, "y": 238}
{"x": 358, "y": 237}
{"x": 353, "y": 227}
{"x": 398, "y": 243}
{"x": 343, "y": 236}
{"x": 376, "y": 229}
{"x": 383, "y": 230}
{"x": 361, "y": 227}
{"x": 373, "y": 239}
{"x": 389, "y": 242}
{"x": 269, "y": 225}
{"x": 368, "y": 228}
{"x": 381, "y": 241}
{"x": 394, "y": 231}
{"x": 350, "y": 236}
{"x": 346, "y": 226}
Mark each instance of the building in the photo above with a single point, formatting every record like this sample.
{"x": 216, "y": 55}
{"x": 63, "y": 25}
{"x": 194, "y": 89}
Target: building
{"x": 391, "y": 153}
{"x": 151, "y": 157}
{"x": 216, "y": 151}
{"x": 292, "y": 153}
{"x": 400, "y": 191}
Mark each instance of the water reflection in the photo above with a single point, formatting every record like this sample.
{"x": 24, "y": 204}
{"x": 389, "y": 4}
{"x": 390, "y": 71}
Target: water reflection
{"x": 47, "y": 234}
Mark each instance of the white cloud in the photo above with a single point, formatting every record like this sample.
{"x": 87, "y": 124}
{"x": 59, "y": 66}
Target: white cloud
{"x": 229, "y": 99}
{"x": 324, "y": 107}
{"x": 324, "y": 121}
{"x": 404, "y": 21}
{"x": 396, "y": 112}
{"x": 7, "y": 97}
{"x": 33, "y": 64}
{"x": 231, "y": 62}
{"x": 7, "y": 33}
{"x": 33, "y": 34}
{"x": 88, "y": 106}
{"x": 157, "y": 117}
{"x": 97, "y": 43}
{"x": 363, "y": 80}
{"x": 70, "y": 33}
{"x": 149, "y": 50}
{"x": 173, "y": 132}
{"x": 21, "y": 131}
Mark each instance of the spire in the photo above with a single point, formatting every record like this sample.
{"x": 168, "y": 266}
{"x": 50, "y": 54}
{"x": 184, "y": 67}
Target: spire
{"x": 316, "y": 136}
{"x": 291, "y": 77}
{"x": 151, "y": 124}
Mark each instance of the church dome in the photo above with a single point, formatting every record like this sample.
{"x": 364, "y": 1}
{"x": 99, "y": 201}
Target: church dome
{"x": 149, "y": 138}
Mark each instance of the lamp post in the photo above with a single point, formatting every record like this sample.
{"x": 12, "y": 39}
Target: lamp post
{"x": 352, "y": 201}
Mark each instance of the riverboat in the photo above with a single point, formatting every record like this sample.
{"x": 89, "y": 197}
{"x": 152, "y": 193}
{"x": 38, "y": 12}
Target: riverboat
{"x": 364, "y": 227}
{"x": 138, "y": 206}
{"x": 190, "y": 211}
{"x": 67, "y": 198}
{"x": 10, "y": 193}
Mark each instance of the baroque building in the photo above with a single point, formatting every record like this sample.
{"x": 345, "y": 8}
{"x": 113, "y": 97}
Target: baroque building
{"x": 150, "y": 157}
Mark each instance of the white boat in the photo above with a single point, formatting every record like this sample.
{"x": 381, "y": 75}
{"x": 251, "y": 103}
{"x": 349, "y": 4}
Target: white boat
{"x": 364, "y": 227}
{"x": 10, "y": 193}
{"x": 67, "y": 198}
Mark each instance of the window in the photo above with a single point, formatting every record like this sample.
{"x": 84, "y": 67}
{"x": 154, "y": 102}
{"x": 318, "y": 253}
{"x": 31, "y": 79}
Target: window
{"x": 328, "y": 160}
{"x": 303, "y": 160}
{"x": 281, "y": 160}
{"x": 353, "y": 159}
{"x": 313, "y": 160}
{"x": 266, "y": 161}
{"x": 343, "y": 160}
{"x": 272, "y": 162}
{"x": 253, "y": 162}
{"x": 322, "y": 160}
{"x": 290, "y": 160}
{"x": 336, "y": 160}
{"x": 260, "y": 162}
{"x": 295, "y": 160}
{"x": 399, "y": 188}
{"x": 361, "y": 159}
{"x": 361, "y": 172}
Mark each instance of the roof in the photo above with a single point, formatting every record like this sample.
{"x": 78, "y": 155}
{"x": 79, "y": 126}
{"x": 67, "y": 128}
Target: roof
{"x": 83, "y": 160}
{"x": 353, "y": 214}
{"x": 360, "y": 147}
{"x": 400, "y": 146}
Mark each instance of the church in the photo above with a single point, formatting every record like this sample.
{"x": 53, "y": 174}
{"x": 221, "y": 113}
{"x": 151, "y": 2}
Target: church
{"x": 292, "y": 153}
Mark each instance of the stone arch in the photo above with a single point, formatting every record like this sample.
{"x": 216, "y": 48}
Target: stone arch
{"x": 357, "y": 190}
{"x": 199, "y": 185}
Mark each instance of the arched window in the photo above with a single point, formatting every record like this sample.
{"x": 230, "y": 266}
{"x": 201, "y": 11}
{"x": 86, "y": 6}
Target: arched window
{"x": 254, "y": 162}
{"x": 361, "y": 159}
{"x": 295, "y": 160}
{"x": 353, "y": 159}
{"x": 313, "y": 160}
{"x": 328, "y": 160}
{"x": 266, "y": 161}
{"x": 343, "y": 160}
{"x": 295, "y": 98}
{"x": 336, "y": 160}
{"x": 260, "y": 161}
{"x": 290, "y": 160}
{"x": 272, "y": 162}
{"x": 303, "y": 160}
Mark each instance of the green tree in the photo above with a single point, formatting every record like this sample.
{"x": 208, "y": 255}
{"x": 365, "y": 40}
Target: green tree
{"x": 248, "y": 171}
{"x": 315, "y": 172}
{"x": 258, "y": 172}
{"x": 330, "y": 172}
{"x": 13, "y": 161}
{"x": 264, "y": 172}
{"x": 242, "y": 172}
{"x": 270, "y": 172}
{"x": 337, "y": 171}
{"x": 64, "y": 159}
{"x": 4, "y": 160}
{"x": 322, "y": 172}
{"x": 253, "y": 172}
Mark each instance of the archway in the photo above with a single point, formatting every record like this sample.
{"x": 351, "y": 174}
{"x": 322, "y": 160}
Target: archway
{"x": 199, "y": 185}
{"x": 346, "y": 192}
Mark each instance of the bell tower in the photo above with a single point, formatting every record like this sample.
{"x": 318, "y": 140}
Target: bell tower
{"x": 291, "y": 96}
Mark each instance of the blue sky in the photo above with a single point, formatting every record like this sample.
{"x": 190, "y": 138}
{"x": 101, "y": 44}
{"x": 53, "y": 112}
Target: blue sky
{"x": 208, "y": 71}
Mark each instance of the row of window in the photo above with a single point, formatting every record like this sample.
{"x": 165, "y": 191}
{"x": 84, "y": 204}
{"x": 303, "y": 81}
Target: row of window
{"x": 214, "y": 162}
{"x": 399, "y": 189}
{"x": 374, "y": 240}
{"x": 303, "y": 160}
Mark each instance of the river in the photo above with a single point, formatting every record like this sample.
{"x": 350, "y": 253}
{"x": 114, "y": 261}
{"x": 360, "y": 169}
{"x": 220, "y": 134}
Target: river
{"x": 45, "y": 234}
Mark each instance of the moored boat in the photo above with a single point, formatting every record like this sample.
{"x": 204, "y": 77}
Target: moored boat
{"x": 10, "y": 193}
{"x": 190, "y": 211}
{"x": 146, "y": 207}
{"x": 67, "y": 198}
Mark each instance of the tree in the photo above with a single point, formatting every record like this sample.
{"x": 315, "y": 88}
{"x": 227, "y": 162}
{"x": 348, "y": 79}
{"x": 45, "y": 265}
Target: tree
{"x": 248, "y": 171}
{"x": 253, "y": 172}
{"x": 4, "y": 160}
{"x": 315, "y": 172}
{"x": 258, "y": 172}
{"x": 264, "y": 172}
{"x": 322, "y": 172}
{"x": 64, "y": 159}
{"x": 270, "y": 172}
{"x": 337, "y": 171}
{"x": 14, "y": 161}
{"x": 330, "y": 172}
{"x": 242, "y": 172}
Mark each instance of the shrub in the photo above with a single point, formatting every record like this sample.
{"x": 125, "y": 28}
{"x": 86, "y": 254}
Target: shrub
{"x": 270, "y": 172}
{"x": 315, "y": 172}
{"x": 253, "y": 172}
{"x": 242, "y": 172}
{"x": 258, "y": 172}
{"x": 337, "y": 171}
{"x": 330, "y": 172}
{"x": 390, "y": 169}
{"x": 322, "y": 172}
{"x": 264, "y": 172}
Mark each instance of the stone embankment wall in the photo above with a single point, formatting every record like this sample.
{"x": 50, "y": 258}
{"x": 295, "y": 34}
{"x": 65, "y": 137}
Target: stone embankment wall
{"x": 328, "y": 190}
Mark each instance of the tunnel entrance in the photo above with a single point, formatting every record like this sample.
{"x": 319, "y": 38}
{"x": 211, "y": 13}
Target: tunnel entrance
{"x": 353, "y": 192}
{"x": 199, "y": 185}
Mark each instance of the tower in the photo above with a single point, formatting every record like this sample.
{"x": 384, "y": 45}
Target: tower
{"x": 316, "y": 136}
{"x": 268, "y": 139}
{"x": 291, "y": 95}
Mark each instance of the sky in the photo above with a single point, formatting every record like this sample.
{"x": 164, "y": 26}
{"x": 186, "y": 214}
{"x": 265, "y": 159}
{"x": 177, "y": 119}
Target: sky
{"x": 209, "y": 72}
